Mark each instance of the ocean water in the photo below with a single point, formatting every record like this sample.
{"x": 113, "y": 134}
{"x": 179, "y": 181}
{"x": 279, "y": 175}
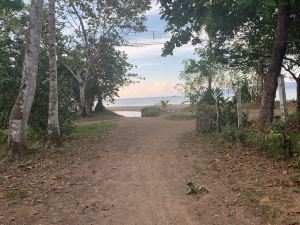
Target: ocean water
{"x": 290, "y": 88}
{"x": 290, "y": 91}
{"x": 174, "y": 100}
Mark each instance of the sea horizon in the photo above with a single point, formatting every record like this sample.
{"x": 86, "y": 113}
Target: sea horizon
{"x": 180, "y": 99}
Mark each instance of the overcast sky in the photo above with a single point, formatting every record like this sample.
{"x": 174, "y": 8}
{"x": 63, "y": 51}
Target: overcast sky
{"x": 161, "y": 73}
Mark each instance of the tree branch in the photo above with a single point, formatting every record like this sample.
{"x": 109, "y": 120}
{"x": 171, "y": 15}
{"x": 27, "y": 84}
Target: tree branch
{"x": 292, "y": 60}
{"x": 81, "y": 24}
{"x": 290, "y": 72}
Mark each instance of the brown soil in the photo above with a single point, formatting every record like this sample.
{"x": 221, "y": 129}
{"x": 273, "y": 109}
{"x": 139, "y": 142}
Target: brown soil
{"x": 137, "y": 174}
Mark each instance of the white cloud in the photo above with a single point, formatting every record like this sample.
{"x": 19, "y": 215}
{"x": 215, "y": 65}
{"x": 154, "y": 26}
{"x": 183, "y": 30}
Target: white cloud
{"x": 141, "y": 65}
{"x": 154, "y": 50}
{"x": 154, "y": 9}
{"x": 150, "y": 89}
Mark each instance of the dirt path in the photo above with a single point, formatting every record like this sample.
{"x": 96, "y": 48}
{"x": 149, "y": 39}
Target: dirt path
{"x": 134, "y": 175}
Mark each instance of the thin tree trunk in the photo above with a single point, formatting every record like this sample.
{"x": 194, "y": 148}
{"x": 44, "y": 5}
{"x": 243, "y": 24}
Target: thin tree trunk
{"x": 238, "y": 109}
{"x": 298, "y": 98}
{"x": 21, "y": 109}
{"x": 218, "y": 114}
{"x": 54, "y": 136}
{"x": 283, "y": 102}
{"x": 274, "y": 70}
{"x": 260, "y": 80}
{"x": 209, "y": 81}
{"x": 82, "y": 103}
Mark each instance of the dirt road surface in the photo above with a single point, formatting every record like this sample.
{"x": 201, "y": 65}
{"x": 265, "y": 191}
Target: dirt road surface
{"x": 136, "y": 174}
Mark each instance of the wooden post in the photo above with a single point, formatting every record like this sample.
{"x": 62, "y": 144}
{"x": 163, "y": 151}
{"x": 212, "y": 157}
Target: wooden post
{"x": 282, "y": 97}
{"x": 218, "y": 114}
{"x": 239, "y": 111}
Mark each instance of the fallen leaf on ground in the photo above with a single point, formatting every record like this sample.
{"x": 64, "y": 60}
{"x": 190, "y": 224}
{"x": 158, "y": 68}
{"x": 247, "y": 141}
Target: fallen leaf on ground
{"x": 266, "y": 199}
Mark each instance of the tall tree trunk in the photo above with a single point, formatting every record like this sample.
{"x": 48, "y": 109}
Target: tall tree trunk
{"x": 260, "y": 80}
{"x": 298, "y": 98}
{"x": 21, "y": 109}
{"x": 82, "y": 101}
{"x": 209, "y": 81}
{"x": 282, "y": 97}
{"x": 99, "y": 107}
{"x": 274, "y": 70}
{"x": 54, "y": 136}
{"x": 239, "y": 108}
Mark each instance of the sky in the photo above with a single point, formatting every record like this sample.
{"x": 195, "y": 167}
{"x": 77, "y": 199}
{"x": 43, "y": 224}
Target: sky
{"x": 160, "y": 73}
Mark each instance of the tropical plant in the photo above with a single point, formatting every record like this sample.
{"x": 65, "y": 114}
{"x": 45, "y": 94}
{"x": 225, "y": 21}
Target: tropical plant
{"x": 164, "y": 104}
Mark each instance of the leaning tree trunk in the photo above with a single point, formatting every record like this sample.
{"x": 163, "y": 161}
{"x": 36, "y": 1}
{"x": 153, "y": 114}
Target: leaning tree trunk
{"x": 274, "y": 70}
{"x": 54, "y": 136}
{"x": 82, "y": 101}
{"x": 21, "y": 109}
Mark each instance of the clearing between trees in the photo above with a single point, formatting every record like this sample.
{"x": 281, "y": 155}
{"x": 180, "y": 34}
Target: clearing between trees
{"x": 137, "y": 173}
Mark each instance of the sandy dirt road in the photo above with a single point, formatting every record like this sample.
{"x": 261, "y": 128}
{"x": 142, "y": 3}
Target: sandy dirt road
{"x": 135, "y": 174}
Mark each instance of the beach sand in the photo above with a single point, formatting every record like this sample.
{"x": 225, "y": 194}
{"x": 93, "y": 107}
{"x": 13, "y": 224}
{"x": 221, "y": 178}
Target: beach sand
{"x": 139, "y": 108}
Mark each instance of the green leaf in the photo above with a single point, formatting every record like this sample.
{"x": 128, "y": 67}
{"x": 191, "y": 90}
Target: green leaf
{"x": 285, "y": 2}
{"x": 272, "y": 3}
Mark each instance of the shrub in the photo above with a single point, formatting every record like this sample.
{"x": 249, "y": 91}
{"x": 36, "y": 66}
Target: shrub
{"x": 233, "y": 134}
{"x": 207, "y": 121}
{"x": 150, "y": 112}
{"x": 164, "y": 104}
{"x": 206, "y": 117}
{"x": 277, "y": 141}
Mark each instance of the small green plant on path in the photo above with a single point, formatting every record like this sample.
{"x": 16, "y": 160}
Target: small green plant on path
{"x": 164, "y": 104}
{"x": 16, "y": 193}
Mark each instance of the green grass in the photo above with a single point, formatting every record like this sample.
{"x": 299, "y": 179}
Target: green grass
{"x": 3, "y": 152}
{"x": 16, "y": 193}
{"x": 182, "y": 116}
{"x": 150, "y": 112}
{"x": 90, "y": 126}
{"x": 89, "y": 130}
{"x": 105, "y": 115}
{"x": 190, "y": 108}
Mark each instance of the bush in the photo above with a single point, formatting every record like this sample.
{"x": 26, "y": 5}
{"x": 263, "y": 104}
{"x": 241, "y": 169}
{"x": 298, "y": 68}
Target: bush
{"x": 206, "y": 119}
{"x": 277, "y": 141}
{"x": 233, "y": 134}
{"x": 150, "y": 112}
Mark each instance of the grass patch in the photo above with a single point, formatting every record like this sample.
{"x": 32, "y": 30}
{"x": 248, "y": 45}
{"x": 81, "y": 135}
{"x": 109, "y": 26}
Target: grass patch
{"x": 150, "y": 112}
{"x": 190, "y": 108}
{"x": 3, "y": 151}
{"x": 104, "y": 115}
{"x": 182, "y": 116}
{"x": 89, "y": 130}
{"x": 251, "y": 198}
{"x": 16, "y": 193}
